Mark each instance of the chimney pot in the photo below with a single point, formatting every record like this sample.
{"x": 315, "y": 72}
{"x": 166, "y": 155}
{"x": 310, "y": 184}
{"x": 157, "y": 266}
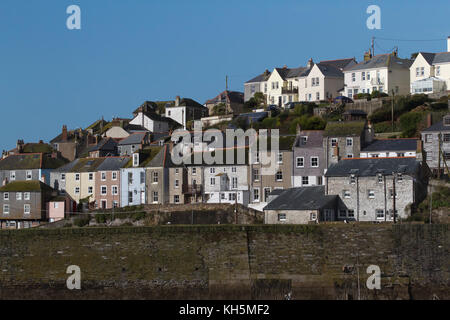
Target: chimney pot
{"x": 177, "y": 101}
{"x": 64, "y": 133}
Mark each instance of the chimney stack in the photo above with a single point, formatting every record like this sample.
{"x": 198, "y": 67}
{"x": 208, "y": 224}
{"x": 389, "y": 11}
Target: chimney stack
{"x": 19, "y": 146}
{"x": 367, "y": 55}
{"x": 64, "y": 133}
{"x": 310, "y": 63}
{"x": 177, "y": 101}
{"x": 429, "y": 120}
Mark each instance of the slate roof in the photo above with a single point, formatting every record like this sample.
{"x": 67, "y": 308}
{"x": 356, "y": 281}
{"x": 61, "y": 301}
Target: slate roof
{"x": 329, "y": 70}
{"x": 135, "y": 128}
{"x": 392, "y": 145}
{"x": 437, "y": 127}
{"x": 261, "y": 78}
{"x": 347, "y": 128}
{"x": 433, "y": 58}
{"x": 30, "y": 161}
{"x": 86, "y": 165}
{"x": 304, "y": 198}
{"x": 227, "y": 96}
{"x": 287, "y": 73}
{"x": 113, "y": 163}
{"x": 381, "y": 61}
{"x": 339, "y": 63}
{"x": 135, "y": 138}
{"x": 107, "y": 144}
{"x": 314, "y": 140}
{"x": 163, "y": 159}
{"x": 367, "y": 167}
{"x": 187, "y": 102}
{"x": 442, "y": 57}
{"x": 26, "y": 186}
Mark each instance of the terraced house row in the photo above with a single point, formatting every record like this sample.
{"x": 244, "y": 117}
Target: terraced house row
{"x": 344, "y": 160}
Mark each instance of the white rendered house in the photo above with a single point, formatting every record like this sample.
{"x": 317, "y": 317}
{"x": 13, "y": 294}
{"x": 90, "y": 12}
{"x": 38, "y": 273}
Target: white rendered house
{"x": 383, "y": 73}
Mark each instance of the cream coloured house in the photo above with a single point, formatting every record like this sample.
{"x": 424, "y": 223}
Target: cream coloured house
{"x": 383, "y": 73}
{"x": 430, "y": 72}
{"x": 282, "y": 85}
{"x": 323, "y": 80}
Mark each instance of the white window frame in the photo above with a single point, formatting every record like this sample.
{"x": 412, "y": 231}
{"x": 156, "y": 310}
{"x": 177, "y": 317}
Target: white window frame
{"x": 314, "y": 158}
{"x": 256, "y": 195}
{"x": 302, "y": 161}
{"x": 18, "y": 196}
{"x": 90, "y": 190}
{"x": 6, "y": 196}
{"x": 26, "y": 196}
{"x": 115, "y": 190}
{"x": 77, "y": 190}
{"x": 6, "y": 209}
{"x": 347, "y": 142}
{"x": 114, "y": 175}
{"x": 371, "y": 194}
{"x": 77, "y": 177}
{"x": 279, "y": 173}
{"x": 103, "y": 175}
{"x": 29, "y": 175}
{"x": 347, "y": 194}
{"x": 103, "y": 193}
{"x": 12, "y": 175}
{"x": 25, "y": 207}
{"x": 282, "y": 217}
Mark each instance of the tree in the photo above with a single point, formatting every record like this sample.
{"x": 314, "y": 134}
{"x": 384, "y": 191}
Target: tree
{"x": 260, "y": 99}
{"x": 219, "y": 109}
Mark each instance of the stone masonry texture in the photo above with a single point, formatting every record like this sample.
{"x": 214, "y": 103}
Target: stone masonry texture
{"x": 228, "y": 262}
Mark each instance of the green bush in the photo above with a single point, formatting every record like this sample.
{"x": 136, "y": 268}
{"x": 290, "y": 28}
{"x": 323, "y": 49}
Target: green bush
{"x": 378, "y": 94}
{"x": 139, "y": 216}
{"x": 100, "y": 218}
{"x": 409, "y": 123}
{"x": 81, "y": 222}
{"x": 363, "y": 96}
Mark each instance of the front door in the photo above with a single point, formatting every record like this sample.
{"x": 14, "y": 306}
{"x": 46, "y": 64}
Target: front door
{"x": 266, "y": 194}
{"x": 103, "y": 204}
{"x": 328, "y": 215}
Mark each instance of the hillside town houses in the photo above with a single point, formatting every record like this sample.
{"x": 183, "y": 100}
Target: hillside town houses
{"x": 343, "y": 172}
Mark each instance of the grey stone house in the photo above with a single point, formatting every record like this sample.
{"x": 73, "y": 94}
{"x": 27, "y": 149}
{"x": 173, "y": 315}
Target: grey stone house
{"x": 23, "y": 204}
{"x": 28, "y": 167}
{"x": 345, "y": 140}
{"x": 366, "y": 187}
{"x": 158, "y": 177}
{"x": 435, "y": 138}
{"x": 133, "y": 143}
{"x": 264, "y": 178}
{"x": 309, "y": 158}
{"x": 300, "y": 206}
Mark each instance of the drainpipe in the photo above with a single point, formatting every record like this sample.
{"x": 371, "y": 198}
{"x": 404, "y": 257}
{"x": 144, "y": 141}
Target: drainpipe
{"x": 357, "y": 198}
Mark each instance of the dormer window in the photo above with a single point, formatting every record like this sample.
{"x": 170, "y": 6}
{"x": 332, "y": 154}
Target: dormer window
{"x": 303, "y": 140}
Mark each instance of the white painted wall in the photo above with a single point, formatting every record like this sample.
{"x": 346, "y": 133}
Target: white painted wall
{"x": 150, "y": 124}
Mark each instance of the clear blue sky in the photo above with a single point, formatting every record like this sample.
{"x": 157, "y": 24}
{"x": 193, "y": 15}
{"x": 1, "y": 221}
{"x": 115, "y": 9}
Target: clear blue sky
{"x": 136, "y": 50}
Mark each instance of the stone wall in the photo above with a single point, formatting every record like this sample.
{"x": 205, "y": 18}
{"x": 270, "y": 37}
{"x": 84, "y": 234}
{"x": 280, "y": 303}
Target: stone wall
{"x": 228, "y": 262}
